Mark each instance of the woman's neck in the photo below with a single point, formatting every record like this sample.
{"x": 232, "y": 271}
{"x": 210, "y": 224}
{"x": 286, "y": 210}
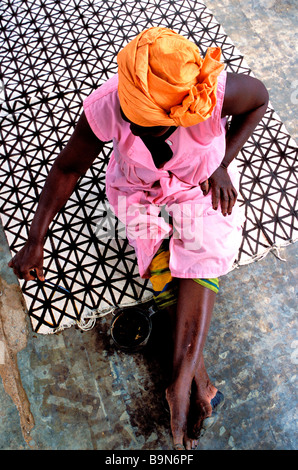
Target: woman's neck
{"x": 159, "y": 149}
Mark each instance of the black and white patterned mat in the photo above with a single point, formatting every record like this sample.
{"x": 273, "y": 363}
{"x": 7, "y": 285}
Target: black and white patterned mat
{"x": 53, "y": 54}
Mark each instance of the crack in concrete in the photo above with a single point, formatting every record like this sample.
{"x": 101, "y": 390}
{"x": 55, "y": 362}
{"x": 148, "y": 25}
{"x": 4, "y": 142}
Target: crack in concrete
{"x": 13, "y": 338}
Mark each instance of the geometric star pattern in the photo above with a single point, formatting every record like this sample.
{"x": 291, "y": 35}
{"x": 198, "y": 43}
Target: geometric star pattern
{"x": 54, "y": 54}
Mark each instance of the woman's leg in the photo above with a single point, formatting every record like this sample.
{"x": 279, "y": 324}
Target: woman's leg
{"x": 193, "y": 316}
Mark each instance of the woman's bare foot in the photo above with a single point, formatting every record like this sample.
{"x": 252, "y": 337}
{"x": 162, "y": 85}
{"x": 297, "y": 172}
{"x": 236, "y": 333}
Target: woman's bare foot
{"x": 178, "y": 398}
{"x": 189, "y": 402}
{"x": 200, "y": 403}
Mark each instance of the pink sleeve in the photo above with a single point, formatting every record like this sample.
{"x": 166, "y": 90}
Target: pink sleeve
{"x": 217, "y": 121}
{"x": 102, "y": 110}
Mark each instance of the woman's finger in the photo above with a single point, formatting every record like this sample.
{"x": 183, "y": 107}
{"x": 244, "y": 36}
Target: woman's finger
{"x": 224, "y": 201}
{"x": 39, "y": 273}
{"x": 215, "y": 197}
{"x": 205, "y": 187}
{"x": 232, "y": 199}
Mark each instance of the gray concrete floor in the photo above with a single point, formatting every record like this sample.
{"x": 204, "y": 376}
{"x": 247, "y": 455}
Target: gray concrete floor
{"x": 266, "y": 33}
{"x": 75, "y": 391}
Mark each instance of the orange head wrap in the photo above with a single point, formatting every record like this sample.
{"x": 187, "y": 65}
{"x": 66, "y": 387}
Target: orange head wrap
{"x": 163, "y": 80}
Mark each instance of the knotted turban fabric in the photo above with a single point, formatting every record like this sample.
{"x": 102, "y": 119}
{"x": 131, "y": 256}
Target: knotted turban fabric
{"x": 164, "y": 81}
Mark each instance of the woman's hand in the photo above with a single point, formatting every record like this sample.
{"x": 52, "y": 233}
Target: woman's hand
{"x": 223, "y": 191}
{"x": 28, "y": 259}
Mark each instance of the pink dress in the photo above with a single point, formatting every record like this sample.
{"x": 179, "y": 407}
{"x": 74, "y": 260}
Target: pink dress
{"x": 157, "y": 203}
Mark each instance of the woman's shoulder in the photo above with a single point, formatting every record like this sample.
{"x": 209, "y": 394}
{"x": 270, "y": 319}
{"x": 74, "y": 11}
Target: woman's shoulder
{"x": 102, "y": 109}
{"x": 243, "y": 93}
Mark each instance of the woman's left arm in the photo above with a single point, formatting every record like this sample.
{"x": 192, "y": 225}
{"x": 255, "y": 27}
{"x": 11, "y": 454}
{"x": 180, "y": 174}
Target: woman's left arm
{"x": 246, "y": 100}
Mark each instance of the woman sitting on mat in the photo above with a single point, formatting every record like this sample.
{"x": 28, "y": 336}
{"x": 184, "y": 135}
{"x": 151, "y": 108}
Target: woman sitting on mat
{"x": 166, "y": 113}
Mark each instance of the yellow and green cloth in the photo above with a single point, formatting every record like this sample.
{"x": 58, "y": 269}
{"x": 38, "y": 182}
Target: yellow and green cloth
{"x": 165, "y": 287}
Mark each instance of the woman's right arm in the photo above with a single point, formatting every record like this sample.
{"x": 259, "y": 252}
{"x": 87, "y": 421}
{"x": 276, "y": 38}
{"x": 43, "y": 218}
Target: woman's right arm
{"x": 72, "y": 163}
